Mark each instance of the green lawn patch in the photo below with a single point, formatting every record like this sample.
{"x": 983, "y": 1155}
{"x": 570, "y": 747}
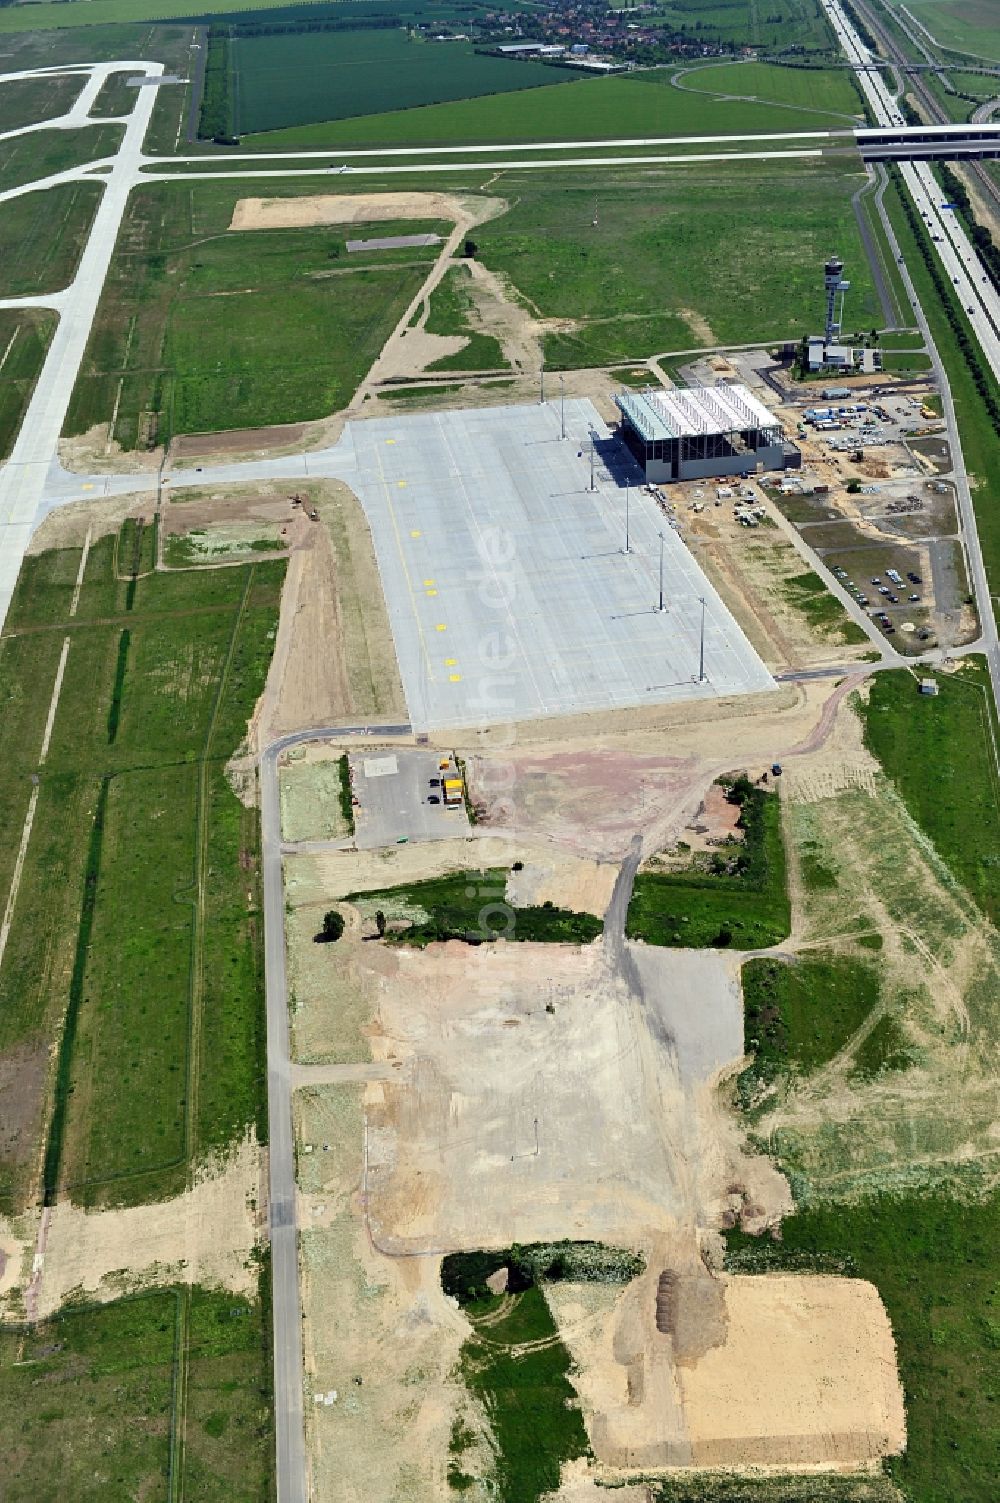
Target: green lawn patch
{"x": 886, "y": 1048}
{"x": 43, "y": 152}
{"x": 451, "y": 313}
{"x": 471, "y": 906}
{"x": 745, "y": 906}
{"x": 90, "y": 1398}
{"x": 26, "y": 101}
{"x": 42, "y": 236}
{"x": 936, "y": 1263}
{"x": 940, "y": 753}
{"x": 633, "y": 281}
{"x": 529, "y": 1402}
{"x": 798, "y": 1015}
{"x": 24, "y": 341}
{"x": 824, "y": 612}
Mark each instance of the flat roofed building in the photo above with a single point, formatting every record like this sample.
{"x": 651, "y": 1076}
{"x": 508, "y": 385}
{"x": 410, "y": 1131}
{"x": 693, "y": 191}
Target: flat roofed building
{"x": 695, "y": 432}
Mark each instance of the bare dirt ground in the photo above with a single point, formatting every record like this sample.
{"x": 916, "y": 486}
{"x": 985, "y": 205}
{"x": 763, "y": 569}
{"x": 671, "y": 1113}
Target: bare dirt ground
{"x": 382, "y": 1341}
{"x": 634, "y": 773}
{"x": 206, "y": 1236}
{"x": 68, "y": 526}
{"x": 358, "y": 208}
{"x": 751, "y": 570}
{"x": 334, "y": 657}
{"x": 806, "y": 1373}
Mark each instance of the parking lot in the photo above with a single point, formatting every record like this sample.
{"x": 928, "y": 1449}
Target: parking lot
{"x": 393, "y": 789}
{"x": 507, "y": 584}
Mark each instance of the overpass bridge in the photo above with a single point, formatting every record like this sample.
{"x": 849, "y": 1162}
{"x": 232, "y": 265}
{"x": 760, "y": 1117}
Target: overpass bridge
{"x": 921, "y": 143}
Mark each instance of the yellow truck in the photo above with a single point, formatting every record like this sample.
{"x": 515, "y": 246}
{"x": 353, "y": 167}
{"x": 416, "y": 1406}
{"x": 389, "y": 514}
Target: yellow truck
{"x": 452, "y": 791}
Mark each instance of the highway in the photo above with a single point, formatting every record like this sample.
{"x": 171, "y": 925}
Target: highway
{"x": 978, "y": 296}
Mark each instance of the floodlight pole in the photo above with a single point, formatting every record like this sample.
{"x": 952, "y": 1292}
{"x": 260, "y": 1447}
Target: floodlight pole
{"x": 701, "y": 656}
{"x": 626, "y": 519}
{"x": 541, "y": 386}
{"x": 592, "y": 447}
{"x": 661, "y": 571}
{"x": 562, "y": 407}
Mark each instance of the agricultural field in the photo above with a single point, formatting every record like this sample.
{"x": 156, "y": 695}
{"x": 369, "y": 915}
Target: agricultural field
{"x": 24, "y": 339}
{"x": 109, "y": 1400}
{"x": 800, "y": 25}
{"x": 157, "y": 854}
{"x": 42, "y": 237}
{"x": 299, "y": 78}
{"x": 44, "y": 152}
{"x": 201, "y": 329}
{"x": 582, "y": 109}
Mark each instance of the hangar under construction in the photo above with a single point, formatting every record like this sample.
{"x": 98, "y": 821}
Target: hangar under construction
{"x": 695, "y": 432}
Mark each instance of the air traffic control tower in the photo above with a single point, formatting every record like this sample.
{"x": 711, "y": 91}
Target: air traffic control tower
{"x": 835, "y": 290}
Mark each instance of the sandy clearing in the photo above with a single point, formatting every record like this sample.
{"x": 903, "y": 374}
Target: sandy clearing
{"x": 67, "y": 526}
{"x": 379, "y": 1320}
{"x": 333, "y": 657}
{"x": 806, "y": 1374}
{"x": 359, "y": 208}
{"x": 205, "y": 1236}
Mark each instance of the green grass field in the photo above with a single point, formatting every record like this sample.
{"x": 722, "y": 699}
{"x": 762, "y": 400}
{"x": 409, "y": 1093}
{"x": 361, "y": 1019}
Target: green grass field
{"x": 971, "y": 26}
{"x": 941, "y": 754}
{"x": 533, "y": 1409}
{"x": 23, "y": 159}
{"x": 650, "y": 274}
{"x": 115, "y": 97}
{"x": 584, "y": 109}
{"x": 696, "y": 908}
{"x": 936, "y": 1264}
{"x": 24, "y": 339}
{"x": 147, "y": 947}
{"x": 450, "y": 314}
{"x": 454, "y": 907}
{"x": 829, "y": 90}
{"x": 42, "y": 236}
{"x": 798, "y": 1016}
{"x": 799, "y": 23}
{"x": 25, "y": 101}
{"x": 299, "y": 78}
{"x": 824, "y": 612}
{"x": 93, "y": 1407}
{"x": 202, "y": 329}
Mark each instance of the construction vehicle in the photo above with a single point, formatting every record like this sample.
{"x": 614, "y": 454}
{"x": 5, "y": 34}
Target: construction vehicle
{"x": 453, "y": 792}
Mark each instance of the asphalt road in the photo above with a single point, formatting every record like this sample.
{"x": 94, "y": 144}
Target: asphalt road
{"x": 289, "y": 1422}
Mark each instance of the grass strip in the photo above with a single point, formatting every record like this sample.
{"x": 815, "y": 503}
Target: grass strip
{"x": 471, "y": 906}
{"x": 115, "y": 708}
{"x": 67, "y": 1041}
{"x": 346, "y": 792}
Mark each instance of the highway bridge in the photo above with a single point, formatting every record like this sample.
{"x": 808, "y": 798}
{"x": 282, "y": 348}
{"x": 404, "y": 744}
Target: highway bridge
{"x": 921, "y": 143}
